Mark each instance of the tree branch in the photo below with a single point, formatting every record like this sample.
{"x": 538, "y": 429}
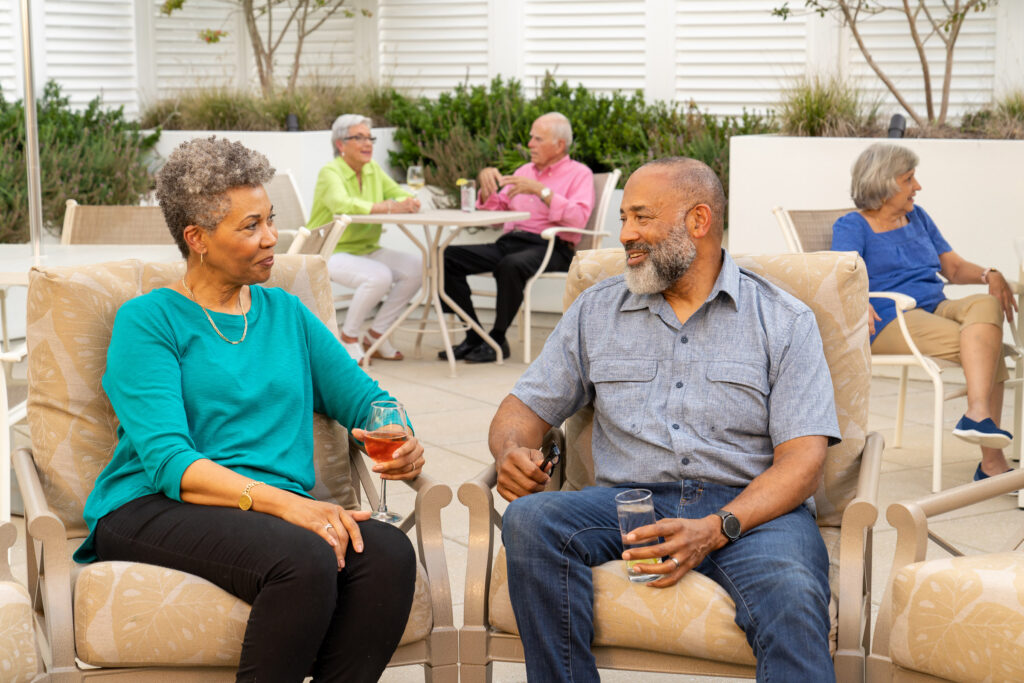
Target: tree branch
{"x": 922, "y": 57}
{"x": 845, "y": 8}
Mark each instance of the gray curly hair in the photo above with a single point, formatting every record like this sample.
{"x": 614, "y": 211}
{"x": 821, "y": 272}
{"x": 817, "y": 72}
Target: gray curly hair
{"x": 192, "y": 184}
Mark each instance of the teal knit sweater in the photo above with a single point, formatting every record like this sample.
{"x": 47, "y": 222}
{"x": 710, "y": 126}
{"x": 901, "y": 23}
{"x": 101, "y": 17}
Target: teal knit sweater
{"x": 182, "y": 393}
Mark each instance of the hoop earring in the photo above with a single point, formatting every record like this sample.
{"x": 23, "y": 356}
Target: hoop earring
{"x": 201, "y": 258}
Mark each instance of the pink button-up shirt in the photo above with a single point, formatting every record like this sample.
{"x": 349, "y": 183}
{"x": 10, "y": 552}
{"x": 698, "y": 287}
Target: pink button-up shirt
{"x": 572, "y": 199}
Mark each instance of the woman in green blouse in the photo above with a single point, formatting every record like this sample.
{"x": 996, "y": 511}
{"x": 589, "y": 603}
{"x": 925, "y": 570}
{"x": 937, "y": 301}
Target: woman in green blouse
{"x": 353, "y": 183}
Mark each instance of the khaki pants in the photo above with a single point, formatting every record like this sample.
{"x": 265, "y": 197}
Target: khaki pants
{"x": 938, "y": 334}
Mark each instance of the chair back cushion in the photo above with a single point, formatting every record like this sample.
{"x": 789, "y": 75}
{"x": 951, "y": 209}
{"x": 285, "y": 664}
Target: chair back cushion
{"x": 70, "y": 315}
{"x": 834, "y": 286}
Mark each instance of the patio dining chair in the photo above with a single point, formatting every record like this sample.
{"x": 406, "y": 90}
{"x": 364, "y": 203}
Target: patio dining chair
{"x": 809, "y": 231}
{"x": 320, "y": 241}
{"x": 690, "y": 628}
{"x": 140, "y": 622}
{"x": 93, "y": 224}
{"x": 289, "y": 210}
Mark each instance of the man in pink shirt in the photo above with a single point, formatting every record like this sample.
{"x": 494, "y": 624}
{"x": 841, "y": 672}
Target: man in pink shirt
{"x": 556, "y": 191}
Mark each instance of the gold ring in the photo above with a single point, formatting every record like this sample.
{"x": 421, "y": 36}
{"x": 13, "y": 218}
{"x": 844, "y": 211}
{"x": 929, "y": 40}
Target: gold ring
{"x": 674, "y": 560}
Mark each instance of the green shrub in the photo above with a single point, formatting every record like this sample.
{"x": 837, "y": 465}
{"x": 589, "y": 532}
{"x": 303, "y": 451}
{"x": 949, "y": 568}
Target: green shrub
{"x": 316, "y": 105}
{"x": 93, "y": 156}
{"x": 476, "y": 126}
{"x": 1005, "y": 119}
{"x": 826, "y": 107}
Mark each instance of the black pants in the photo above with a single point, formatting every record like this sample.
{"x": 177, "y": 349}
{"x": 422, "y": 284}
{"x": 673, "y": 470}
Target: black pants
{"x": 513, "y": 259}
{"x": 307, "y": 618}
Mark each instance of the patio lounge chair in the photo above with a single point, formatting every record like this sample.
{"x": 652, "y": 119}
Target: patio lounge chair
{"x": 19, "y": 660}
{"x": 958, "y": 618}
{"x": 690, "y": 628}
{"x": 809, "y": 231}
{"x": 137, "y": 621}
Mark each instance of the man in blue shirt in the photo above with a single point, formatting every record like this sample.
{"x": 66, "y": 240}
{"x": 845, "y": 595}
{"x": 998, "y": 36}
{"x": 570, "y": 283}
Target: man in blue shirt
{"x": 710, "y": 388}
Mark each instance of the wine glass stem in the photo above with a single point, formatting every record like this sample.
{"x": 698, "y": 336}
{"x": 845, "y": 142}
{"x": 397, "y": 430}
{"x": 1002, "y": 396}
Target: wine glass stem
{"x": 383, "y": 506}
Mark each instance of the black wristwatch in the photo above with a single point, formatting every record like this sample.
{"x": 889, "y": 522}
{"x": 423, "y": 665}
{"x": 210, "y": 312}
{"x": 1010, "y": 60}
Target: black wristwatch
{"x": 730, "y": 525}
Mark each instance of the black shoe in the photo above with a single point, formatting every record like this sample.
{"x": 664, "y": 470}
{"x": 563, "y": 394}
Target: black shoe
{"x": 485, "y": 354}
{"x": 460, "y": 351}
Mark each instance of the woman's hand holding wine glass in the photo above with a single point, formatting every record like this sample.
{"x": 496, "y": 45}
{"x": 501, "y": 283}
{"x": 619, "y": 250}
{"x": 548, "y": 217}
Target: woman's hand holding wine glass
{"x": 390, "y": 443}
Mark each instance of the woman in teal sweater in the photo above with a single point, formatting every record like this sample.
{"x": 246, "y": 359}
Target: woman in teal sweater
{"x": 214, "y": 381}
{"x": 353, "y": 183}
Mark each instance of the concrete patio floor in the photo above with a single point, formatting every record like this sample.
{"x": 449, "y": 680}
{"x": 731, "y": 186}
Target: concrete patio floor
{"x": 451, "y": 416}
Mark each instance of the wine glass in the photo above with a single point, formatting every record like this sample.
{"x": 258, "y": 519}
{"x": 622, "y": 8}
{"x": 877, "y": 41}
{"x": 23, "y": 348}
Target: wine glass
{"x": 414, "y": 177}
{"x": 386, "y": 431}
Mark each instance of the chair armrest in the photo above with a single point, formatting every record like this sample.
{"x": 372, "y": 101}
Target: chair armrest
{"x": 43, "y": 526}
{"x": 476, "y": 495}
{"x": 552, "y": 233}
{"x": 15, "y": 355}
{"x": 855, "y": 547}
{"x": 431, "y": 497}
{"x": 903, "y": 302}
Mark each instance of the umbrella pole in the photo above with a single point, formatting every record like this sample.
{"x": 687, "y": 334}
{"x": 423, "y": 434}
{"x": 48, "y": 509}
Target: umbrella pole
{"x": 35, "y": 193}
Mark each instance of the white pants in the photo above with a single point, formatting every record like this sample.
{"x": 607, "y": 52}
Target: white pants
{"x": 373, "y": 276}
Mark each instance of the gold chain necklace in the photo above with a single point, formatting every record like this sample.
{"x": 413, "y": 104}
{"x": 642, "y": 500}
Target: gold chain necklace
{"x": 245, "y": 330}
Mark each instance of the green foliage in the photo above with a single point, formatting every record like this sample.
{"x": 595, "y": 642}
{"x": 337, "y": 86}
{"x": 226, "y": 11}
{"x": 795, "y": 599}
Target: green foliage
{"x": 1005, "y": 119}
{"x": 93, "y": 156}
{"x": 315, "y": 104}
{"x": 476, "y": 126}
{"x": 825, "y": 107}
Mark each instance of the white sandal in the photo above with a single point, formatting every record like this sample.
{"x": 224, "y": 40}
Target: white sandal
{"x": 385, "y": 351}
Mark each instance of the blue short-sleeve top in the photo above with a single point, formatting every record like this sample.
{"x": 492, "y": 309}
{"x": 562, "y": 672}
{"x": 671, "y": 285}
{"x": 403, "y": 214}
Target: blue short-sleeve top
{"x": 904, "y": 260}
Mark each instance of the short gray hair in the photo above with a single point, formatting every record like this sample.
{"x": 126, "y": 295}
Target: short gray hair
{"x": 192, "y": 184}
{"x": 873, "y": 176}
{"x": 699, "y": 183}
{"x": 560, "y": 126}
{"x": 341, "y": 125}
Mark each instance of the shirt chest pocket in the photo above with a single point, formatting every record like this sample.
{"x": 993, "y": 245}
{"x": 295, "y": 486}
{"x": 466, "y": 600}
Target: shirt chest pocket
{"x": 622, "y": 389}
{"x": 736, "y": 403}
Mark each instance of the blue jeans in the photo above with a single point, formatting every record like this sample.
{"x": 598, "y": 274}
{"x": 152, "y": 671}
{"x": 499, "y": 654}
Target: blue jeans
{"x": 777, "y": 573}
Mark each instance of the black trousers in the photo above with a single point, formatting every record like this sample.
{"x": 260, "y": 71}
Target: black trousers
{"x": 513, "y": 259}
{"x": 307, "y": 618}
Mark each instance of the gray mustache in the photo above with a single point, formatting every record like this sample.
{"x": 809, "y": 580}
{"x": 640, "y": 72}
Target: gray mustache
{"x": 638, "y": 246}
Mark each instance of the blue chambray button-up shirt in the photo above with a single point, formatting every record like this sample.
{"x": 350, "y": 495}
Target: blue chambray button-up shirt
{"x": 706, "y": 400}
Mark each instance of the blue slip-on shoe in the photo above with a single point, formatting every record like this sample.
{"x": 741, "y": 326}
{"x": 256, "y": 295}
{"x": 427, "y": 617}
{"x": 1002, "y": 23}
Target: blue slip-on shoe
{"x": 979, "y": 474}
{"x": 984, "y": 433}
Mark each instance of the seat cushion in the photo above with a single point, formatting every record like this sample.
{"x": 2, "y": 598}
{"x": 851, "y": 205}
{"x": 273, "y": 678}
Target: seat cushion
{"x": 70, "y": 315}
{"x": 18, "y": 661}
{"x": 961, "y": 618}
{"x": 132, "y": 614}
{"x": 694, "y": 618}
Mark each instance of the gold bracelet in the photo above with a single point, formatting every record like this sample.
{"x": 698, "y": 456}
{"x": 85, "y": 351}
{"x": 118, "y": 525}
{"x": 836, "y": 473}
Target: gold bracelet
{"x": 245, "y": 500}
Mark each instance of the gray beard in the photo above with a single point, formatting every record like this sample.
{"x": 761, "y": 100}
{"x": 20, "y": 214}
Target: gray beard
{"x": 666, "y": 262}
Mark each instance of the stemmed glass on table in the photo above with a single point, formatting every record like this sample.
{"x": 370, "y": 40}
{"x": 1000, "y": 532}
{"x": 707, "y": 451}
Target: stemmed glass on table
{"x": 414, "y": 178}
{"x": 386, "y": 431}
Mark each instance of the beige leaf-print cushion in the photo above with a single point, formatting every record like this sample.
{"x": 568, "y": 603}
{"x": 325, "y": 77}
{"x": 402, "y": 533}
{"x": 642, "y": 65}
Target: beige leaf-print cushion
{"x": 961, "y": 618}
{"x": 18, "y": 662}
{"x": 695, "y": 617}
{"x": 131, "y": 614}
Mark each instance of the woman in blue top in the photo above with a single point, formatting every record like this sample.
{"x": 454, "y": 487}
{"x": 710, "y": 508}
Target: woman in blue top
{"x": 905, "y": 253}
{"x": 215, "y": 380}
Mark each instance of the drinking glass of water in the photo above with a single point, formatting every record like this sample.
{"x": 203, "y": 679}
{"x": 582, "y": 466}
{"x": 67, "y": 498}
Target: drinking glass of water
{"x": 636, "y": 509}
{"x": 414, "y": 178}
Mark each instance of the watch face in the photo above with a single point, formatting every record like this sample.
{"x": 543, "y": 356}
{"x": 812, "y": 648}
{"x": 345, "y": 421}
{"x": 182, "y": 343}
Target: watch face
{"x": 731, "y": 526}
